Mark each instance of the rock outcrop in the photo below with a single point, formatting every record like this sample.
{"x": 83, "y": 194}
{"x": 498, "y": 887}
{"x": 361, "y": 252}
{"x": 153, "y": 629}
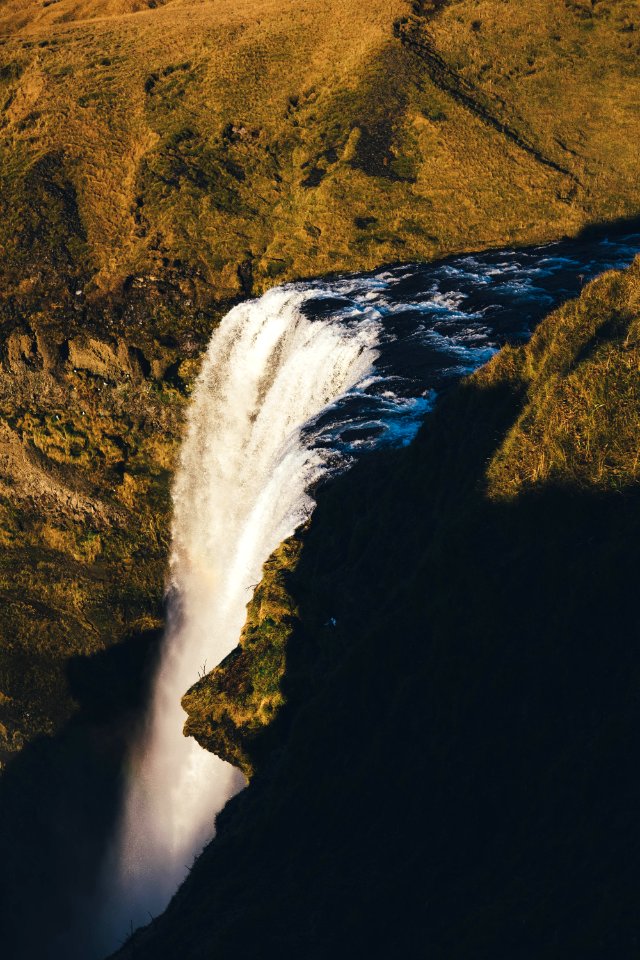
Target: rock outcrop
{"x": 230, "y": 709}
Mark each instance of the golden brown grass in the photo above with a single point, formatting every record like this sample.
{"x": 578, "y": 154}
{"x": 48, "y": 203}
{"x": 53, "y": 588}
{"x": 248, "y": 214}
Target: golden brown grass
{"x": 580, "y": 424}
{"x": 268, "y": 132}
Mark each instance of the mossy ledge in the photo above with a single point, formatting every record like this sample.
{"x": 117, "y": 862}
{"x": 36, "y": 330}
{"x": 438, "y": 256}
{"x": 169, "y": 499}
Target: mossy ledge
{"x": 232, "y": 705}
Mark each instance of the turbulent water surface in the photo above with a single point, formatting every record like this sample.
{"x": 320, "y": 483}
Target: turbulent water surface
{"x": 294, "y": 386}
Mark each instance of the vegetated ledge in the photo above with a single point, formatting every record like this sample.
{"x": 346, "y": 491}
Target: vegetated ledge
{"x": 454, "y": 763}
{"x": 234, "y": 703}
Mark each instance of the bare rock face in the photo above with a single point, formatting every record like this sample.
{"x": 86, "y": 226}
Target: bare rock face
{"x": 100, "y": 358}
{"x": 21, "y": 350}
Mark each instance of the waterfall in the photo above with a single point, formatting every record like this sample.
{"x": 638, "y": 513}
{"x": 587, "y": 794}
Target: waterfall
{"x": 241, "y": 488}
{"x": 293, "y": 386}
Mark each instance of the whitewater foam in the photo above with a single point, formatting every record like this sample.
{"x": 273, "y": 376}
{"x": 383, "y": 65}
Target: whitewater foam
{"x": 242, "y": 487}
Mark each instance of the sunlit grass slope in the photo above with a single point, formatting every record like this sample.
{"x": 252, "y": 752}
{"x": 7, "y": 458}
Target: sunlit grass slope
{"x": 268, "y": 138}
{"x": 580, "y": 424}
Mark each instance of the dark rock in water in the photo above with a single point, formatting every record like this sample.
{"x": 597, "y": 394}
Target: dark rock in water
{"x": 351, "y": 436}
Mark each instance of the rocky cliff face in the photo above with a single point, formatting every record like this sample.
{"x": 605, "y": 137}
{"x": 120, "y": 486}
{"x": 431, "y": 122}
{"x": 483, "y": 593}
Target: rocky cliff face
{"x": 452, "y": 766}
{"x": 87, "y": 450}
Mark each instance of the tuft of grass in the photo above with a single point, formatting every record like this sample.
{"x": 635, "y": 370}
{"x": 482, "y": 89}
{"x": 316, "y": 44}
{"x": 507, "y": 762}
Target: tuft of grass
{"x": 580, "y": 423}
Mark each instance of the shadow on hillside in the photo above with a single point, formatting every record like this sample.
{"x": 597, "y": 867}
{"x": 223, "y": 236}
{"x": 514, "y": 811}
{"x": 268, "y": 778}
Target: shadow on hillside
{"x": 59, "y": 799}
{"x": 455, "y": 774}
{"x": 471, "y": 771}
{"x": 468, "y": 764}
{"x": 613, "y": 230}
{"x": 609, "y": 228}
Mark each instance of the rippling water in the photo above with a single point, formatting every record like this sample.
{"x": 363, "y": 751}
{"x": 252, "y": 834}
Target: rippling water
{"x": 438, "y": 322}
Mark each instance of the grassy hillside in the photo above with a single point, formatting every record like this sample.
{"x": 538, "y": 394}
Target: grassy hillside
{"x": 222, "y": 143}
{"x": 453, "y": 771}
{"x": 158, "y": 160}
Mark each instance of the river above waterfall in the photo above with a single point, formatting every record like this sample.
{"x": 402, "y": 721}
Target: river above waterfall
{"x": 438, "y": 322}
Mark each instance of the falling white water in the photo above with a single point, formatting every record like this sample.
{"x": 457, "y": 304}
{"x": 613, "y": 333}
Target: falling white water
{"x": 242, "y": 487}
